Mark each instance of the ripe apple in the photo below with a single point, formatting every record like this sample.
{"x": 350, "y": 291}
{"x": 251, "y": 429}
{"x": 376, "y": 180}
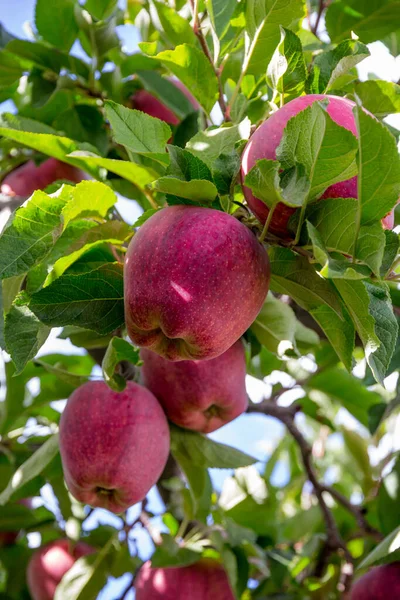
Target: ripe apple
{"x": 195, "y": 280}
{"x": 49, "y": 564}
{"x": 27, "y": 178}
{"x": 151, "y": 105}
{"x": 204, "y": 580}
{"x": 202, "y": 395}
{"x": 380, "y": 583}
{"x": 264, "y": 142}
{"x": 114, "y": 445}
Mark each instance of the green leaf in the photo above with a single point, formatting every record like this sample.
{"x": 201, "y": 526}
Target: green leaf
{"x": 31, "y": 468}
{"x": 264, "y": 181}
{"x": 118, "y": 349}
{"x": 10, "y": 69}
{"x": 381, "y": 98}
{"x": 335, "y": 220}
{"x": 17, "y": 516}
{"x": 287, "y": 70}
{"x": 263, "y": 20}
{"x": 225, "y": 170}
{"x": 208, "y": 145}
{"x": 5, "y": 36}
{"x": 44, "y": 56}
{"x": 30, "y": 234}
{"x": 100, "y": 9}
{"x": 144, "y": 217}
{"x": 170, "y": 554}
{"x": 221, "y": 12}
{"x": 84, "y": 124}
{"x": 275, "y": 326}
{"x": 191, "y": 66}
{"x": 110, "y": 232}
{"x": 91, "y": 300}
{"x": 57, "y": 146}
{"x": 332, "y": 64}
{"x": 371, "y": 246}
{"x": 334, "y": 268}
{"x": 34, "y": 228}
{"x": 392, "y": 244}
{"x": 388, "y": 546}
{"x": 177, "y": 29}
{"x": 328, "y": 154}
{"x": 138, "y": 132}
{"x": 166, "y": 91}
{"x": 370, "y": 307}
{"x": 339, "y": 331}
{"x": 347, "y": 390}
{"x": 198, "y": 190}
{"x": 185, "y": 166}
{"x": 139, "y": 175}
{"x": 371, "y": 21}
{"x": 56, "y": 22}
{"x": 388, "y": 500}
{"x": 379, "y": 189}
{"x": 244, "y": 498}
{"x": 24, "y": 335}
{"x": 293, "y": 275}
{"x": 204, "y": 452}
{"x": 71, "y": 379}
{"x": 87, "y": 576}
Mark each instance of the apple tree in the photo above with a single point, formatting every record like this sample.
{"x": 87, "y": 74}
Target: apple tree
{"x": 255, "y": 242}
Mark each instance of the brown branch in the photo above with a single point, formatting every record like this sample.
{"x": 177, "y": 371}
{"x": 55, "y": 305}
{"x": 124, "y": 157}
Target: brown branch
{"x": 204, "y": 46}
{"x": 286, "y": 416}
{"x": 321, "y": 7}
{"x": 356, "y": 511}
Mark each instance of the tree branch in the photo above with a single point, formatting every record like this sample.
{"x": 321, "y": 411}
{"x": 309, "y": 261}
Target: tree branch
{"x": 286, "y": 415}
{"x": 203, "y": 43}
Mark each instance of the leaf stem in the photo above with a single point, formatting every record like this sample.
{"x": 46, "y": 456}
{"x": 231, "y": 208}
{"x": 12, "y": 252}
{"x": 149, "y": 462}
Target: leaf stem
{"x": 203, "y": 43}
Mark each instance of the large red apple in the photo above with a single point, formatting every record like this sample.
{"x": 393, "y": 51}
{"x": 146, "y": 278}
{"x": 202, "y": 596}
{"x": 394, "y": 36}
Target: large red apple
{"x": 266, "y": 139}
{"x": 151, "y": 105}
{"x": 202, "y": 395}
{"x": 204, "y": 580}
{"x": 380, "y": 583}
{"x": 195, "y": 280}
{"x": 49, "y": 564}
{"x": 27, "y": 178}
{"x": 114, "y": 445}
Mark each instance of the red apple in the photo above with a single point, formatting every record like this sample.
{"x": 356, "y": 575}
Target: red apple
{"x": 380, "y": 583}
{"x": 114, "y": 445}
{"x": 195, "y": 280}
{"x": 151, "y": 105}
{"x": 200, "y": 395}
{"x": 204, "y": 580}
{"x": 264, "y": 142}
{"x": 49, "y": 564}
{"x": 27, "y": 178}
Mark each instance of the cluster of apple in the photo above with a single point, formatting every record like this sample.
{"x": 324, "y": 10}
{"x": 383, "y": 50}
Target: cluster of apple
{"x": 195, "y": 279}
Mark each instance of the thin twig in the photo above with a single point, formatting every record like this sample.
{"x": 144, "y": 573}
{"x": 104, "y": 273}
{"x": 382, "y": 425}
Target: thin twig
{"x": 126, "y": 591}
{"x": 286, "y": 415}
{"x": 356, "y": 511}
{"x": 203, "y": 43}
{"x": 321, "y": 7}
